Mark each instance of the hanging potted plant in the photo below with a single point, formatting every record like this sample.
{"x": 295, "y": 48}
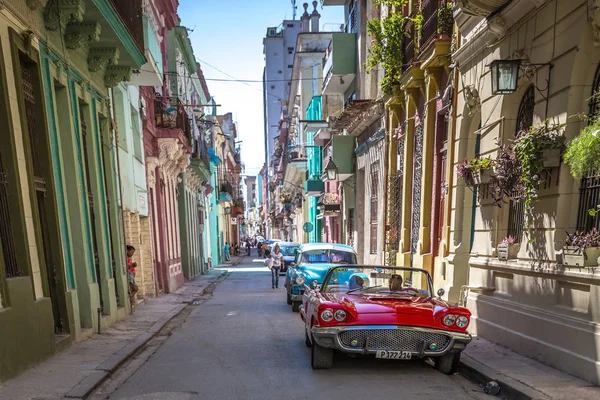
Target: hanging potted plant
{"x": 582, "y": 249}
{"x": 506, "y": 183}
{"x": 476, "y": 172}
{"x": 583, "y": 152}
{"x": 508, "y": 248}
{"x": 285, "y": 197}
{"x": 538, "y": 148}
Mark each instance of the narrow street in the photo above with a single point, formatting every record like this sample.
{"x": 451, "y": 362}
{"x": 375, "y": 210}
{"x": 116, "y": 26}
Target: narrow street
{"x": 246, "y": 343}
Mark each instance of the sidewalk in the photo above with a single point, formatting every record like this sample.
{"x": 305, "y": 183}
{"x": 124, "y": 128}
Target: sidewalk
{"x": 235, "y": 260}
{"x": 79, "y": 369}
{"x": 520, "y": 377}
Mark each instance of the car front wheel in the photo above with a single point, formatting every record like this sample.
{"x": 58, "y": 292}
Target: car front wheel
{"x": 321, "y": 357}
{"x": 295, "y": 306}
{"x": 448, "y": 363}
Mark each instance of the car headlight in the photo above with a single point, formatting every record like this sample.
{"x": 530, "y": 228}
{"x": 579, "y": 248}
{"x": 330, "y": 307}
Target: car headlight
{"x": 327, "y": 315}
{"x": 339, "y": 315}
{"x": 300, "y": 280}
{"x": 449, "y": 320}
{"x": 462, "y": 321}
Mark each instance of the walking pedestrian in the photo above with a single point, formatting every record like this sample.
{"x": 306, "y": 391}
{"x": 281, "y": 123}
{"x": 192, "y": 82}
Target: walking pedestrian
{"x": 248, "y": 247}
{"x": 226, "y": 250}
{"x": 277, "y": 257}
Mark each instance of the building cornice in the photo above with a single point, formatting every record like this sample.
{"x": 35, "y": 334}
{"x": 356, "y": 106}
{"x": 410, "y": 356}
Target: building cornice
{"x": 492, "y": 29}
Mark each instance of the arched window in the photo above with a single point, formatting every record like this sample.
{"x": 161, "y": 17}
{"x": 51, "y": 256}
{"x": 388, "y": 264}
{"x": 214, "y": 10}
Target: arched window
{"x": 594, "y": 101}
{"x": 590, "y": 186}
{"x": 516, "y": 211}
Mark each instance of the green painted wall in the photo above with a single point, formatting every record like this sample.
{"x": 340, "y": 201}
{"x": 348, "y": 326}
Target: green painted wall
{"x": 342, "y": 152}
{"x": 27, "y": 333}
{"x": 344, "y": 53}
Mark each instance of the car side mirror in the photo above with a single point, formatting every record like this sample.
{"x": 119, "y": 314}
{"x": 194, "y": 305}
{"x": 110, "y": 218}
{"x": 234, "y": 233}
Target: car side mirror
{"x": 441, "y": 292}
{"x": 292, "y": 264}
{"x": 313, "y": 285}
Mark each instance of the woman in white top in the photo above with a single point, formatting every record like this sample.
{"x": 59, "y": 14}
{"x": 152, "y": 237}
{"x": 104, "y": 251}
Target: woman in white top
{"x": 277, "y": 260}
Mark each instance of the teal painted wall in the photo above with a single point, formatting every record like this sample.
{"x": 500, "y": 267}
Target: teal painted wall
{"x": 214, "y": 218}
{"x": 57, "y": 165}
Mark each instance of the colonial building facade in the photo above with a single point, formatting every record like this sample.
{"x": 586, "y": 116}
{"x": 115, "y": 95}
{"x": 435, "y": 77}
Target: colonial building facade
{"x": 62, "y": 263}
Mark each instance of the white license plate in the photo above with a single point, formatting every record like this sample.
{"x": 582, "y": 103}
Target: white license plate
{"x": 394, "y": 355}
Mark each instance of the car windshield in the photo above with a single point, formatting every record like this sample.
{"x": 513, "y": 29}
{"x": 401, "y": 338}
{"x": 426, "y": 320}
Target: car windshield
{"x": 325, "y": 256}
{"x": 368, "y": 280}
{"x": 288, "y": 250}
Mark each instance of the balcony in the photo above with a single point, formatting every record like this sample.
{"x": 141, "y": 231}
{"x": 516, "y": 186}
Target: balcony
{"x": 169, "y": 114}
{"x": 130, "y": 11}
{"x": 342, "y": 151}
{"x": 408, "y": 46}
{"x": 329, "y": 204}
{"x": 225, "y": 191}
{"x": 437, "y": 27}
{"x": 112, "y": 30}
{"x": 339, "y": 69}
{"x": 314, "y": 116}
{"x": 314, "y": 187}
{"x": 151, "y": 73}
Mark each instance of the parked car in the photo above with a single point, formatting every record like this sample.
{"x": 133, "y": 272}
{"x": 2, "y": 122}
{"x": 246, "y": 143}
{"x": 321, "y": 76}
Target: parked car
{"x": 288, "y": 249}
{"x": 388, "y": 312}
{"x": 312, "y": 263}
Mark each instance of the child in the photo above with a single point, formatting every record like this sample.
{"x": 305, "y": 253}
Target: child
{"x": 131, "y": 266}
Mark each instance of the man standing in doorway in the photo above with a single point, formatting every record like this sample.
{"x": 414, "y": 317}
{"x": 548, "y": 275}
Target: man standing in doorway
{"x": 226, "y": 250}
{"x": 131, "y": 266}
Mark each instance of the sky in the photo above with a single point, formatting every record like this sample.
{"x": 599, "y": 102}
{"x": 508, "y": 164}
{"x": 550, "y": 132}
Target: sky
{"x": 227, "y": 36}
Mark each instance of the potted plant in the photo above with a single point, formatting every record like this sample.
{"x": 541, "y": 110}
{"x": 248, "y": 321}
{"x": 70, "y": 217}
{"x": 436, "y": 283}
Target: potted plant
{"x": 508, "y": 248}
{"x": 537, "y": 148}
{"x": 285, "y": 197}
{"x": 387, "y": 37}
{"x": 582, "y": 249}
{"x": 507, "y": 181}
{"x": 583, "y": 152}
{"x": 476, "y": 172}
{"x": 445, "y": 19}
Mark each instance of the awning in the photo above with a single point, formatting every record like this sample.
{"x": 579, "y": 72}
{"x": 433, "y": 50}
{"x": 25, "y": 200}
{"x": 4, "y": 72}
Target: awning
{"x": 354, "y": 113}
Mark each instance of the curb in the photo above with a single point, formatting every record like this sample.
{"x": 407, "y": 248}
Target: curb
{"x": 102, "y": 372}
{"x": 509, "y": 388}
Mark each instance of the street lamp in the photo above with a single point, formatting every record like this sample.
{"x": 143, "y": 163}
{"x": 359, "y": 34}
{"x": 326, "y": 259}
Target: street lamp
{"x": 332, "y": 170}
{"x": 227, "y": 210}
{"x": 505, "y": 75}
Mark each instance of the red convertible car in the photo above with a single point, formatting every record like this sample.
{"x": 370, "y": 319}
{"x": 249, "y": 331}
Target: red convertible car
{"x": 388, "y": 312}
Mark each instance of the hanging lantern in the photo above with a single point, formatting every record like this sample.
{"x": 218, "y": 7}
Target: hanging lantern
{"x": 505, "y": 75}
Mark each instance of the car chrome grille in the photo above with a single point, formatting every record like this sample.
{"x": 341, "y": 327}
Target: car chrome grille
{"x": 394, "y": 339}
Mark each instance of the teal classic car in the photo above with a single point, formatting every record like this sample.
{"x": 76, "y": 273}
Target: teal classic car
{"x": 312, "y": 262}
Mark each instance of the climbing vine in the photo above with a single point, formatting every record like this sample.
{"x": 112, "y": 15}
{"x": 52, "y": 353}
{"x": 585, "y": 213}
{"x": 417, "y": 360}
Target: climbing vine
{"x": 387, "y": 37}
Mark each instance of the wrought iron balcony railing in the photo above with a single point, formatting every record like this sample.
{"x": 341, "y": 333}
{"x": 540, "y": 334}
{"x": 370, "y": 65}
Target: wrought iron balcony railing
{"x": 438, "y": 20}
{"x": 409, "y": 45}
{"x": 169, "y": 113}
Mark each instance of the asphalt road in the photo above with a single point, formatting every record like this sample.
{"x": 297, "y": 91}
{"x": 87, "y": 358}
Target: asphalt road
{"x": 246, "y": 343}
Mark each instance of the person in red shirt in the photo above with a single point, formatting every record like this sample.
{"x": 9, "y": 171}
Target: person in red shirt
{"x": 131, "y": 266}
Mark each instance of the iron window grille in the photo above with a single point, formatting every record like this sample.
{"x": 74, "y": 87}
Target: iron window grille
{"x": 589, "y": 188}
{"x": 516, "y": 209}
{"x": 374, "y": 206}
